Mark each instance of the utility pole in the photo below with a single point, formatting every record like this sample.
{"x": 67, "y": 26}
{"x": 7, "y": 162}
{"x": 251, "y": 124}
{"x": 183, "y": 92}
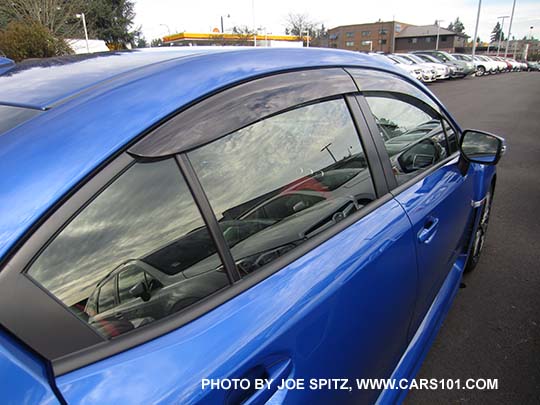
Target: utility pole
{"x": 509, "y": 29}
{"x": 476, "y": 29}
{"x": 438, "y": 31}
{"x": 254, "y": 28}
{"x": 501, "y": 33}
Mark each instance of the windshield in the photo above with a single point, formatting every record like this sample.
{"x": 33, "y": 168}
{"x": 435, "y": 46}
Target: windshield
{"x": 404, "y": 60}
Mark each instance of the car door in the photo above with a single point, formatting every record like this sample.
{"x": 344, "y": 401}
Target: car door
{"x": 307, "y": 267}
{"x": 433, "y": 187}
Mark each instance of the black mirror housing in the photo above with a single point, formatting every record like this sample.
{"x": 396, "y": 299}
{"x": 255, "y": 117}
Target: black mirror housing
{"x": 481, "y": 147}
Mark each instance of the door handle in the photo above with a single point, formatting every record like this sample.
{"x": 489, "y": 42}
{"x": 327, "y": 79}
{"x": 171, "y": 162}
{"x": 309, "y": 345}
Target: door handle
{"x": 429, "y": 230}
{"x": 276, "y": 372}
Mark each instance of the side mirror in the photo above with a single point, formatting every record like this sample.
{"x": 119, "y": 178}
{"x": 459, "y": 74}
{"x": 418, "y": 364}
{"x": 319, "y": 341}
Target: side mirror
{"x": 481, "y": 147}
{"x": 140, "y": 290}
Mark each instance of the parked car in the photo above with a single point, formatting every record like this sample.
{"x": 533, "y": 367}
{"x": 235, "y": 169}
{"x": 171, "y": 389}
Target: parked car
{"x": 516, "y": 66}
{"x": 533, "y": 66}
{"x": 485, "y": 66}
{"x": 441, "y": 70}
{"x": 429, "y": 73}
{"x": 463, "y": 68}
{"x": 467, "y": 58}
{"x": 502, "y": 66}
{"x": 413, "y": 71}
{"x": 444, "y": 71}
{"x": 510, "y": 66}
{"x": 182, "y": 215}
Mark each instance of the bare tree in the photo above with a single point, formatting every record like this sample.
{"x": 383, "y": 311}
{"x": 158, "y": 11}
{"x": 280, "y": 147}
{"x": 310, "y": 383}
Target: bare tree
{"x": 297, "y": 24}
{"x": 301, "y": 25}
{"x": 58, "y": 16}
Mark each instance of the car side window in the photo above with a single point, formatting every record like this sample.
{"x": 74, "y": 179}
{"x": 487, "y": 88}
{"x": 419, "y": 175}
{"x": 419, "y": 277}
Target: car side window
{"x": 412, "y": 133}
{"x": 277, "y": 183}
{"x": 145, "y": 219}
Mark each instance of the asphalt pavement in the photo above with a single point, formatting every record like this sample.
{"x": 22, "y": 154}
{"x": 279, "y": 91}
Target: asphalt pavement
{"x": 493, "y": 328}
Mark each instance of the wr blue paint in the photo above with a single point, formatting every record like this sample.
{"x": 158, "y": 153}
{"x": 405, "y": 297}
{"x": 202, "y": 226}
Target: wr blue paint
{"x": 410, "y": 363}
{"x": 366, "y": 303}
{"x": 23, "y": 377}
{"x": 341, "y": 311}
{"x": 443, "y": 196}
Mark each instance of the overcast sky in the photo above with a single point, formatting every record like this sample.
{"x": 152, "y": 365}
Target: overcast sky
{"x": 203, "y": 16}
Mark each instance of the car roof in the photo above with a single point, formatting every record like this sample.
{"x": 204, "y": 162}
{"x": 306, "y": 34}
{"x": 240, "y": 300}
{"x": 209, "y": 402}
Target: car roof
{"x": 41, "y": 83}
{"x": 90, "y": 107}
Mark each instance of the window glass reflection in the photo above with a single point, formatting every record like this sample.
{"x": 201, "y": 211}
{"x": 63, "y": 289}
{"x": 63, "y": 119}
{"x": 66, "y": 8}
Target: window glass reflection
{"x": 137, "y": 253}
{"x": 413, "y": 137}
{"x": 279, "y": 182}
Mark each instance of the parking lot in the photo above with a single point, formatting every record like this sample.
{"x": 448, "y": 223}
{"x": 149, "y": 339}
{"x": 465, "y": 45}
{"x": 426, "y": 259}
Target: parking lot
{"x": 493, "y": 328}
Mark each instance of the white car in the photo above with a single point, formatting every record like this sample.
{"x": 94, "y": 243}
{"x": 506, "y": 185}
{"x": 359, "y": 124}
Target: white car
{"x": 485, "y": 65}
{"x": 410, "y": 69}
{"x": 429, "y": 73}
{"x": 443, "y": 71}
{"x": 501, "y": 66}
{"x": 516, "y": 66}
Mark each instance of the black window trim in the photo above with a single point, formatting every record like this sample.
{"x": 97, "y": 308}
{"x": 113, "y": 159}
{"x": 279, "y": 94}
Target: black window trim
{"x": 83, "y": 345}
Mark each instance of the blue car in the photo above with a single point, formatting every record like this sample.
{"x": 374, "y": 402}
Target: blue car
{"x": 177, "y": 225}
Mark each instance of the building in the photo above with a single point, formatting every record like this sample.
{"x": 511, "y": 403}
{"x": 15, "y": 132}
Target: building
{"x": 94, "y": 45}
{"x": 424, "y": 37}
{"x": 377, "y": 36}
{"x": 218, "y": 38}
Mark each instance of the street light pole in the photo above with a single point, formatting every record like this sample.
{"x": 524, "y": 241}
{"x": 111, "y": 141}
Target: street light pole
{"x": 81, "y": 16}
{"x": 228, "y": 16}
{"x": 476, "y": 28}
{"x": 438, "y": 31}
{"x": 509, "y": 29}
{"x": 501, "y": 33}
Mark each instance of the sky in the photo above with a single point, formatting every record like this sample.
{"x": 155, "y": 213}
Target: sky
{"x": 159, "y": 17}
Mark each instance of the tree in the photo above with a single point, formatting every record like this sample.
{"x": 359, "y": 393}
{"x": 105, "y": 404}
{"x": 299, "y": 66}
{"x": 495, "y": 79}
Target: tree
{"x": 58, "y": 16}
{"x": 497, "y": 33}
{"x": 29, "y": 39}
{"x": 301, "y": 25}
{"x": 112, "y": 22}
{"x": 298, "y": 24}
{"x": 156, "y": 42}
{"x": 245, "y": 33}
{"x": 140, "y": 42}
{"x": 456, "y": 26}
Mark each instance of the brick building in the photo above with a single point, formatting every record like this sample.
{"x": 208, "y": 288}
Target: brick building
{"x": 377, "y": 36}
{"x": 424, "y": 37}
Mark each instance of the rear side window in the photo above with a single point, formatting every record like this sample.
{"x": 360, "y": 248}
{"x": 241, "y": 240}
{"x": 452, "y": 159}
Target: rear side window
{"x": 279, "y": 182}
{"x": 140, "y": 248}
